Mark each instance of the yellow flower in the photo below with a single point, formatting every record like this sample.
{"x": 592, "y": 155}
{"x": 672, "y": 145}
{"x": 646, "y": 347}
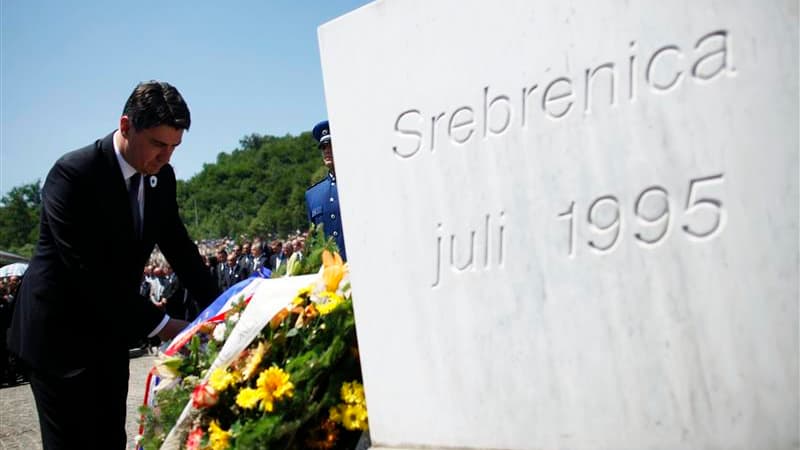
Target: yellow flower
{"x": 302, "y": 295}
{"x": 218, "y": 439}
{"x": 335, "y": 413}
{"x": 248, "y": 398}
{"x": 354, "y": 417}
{"x": 254, "y": 360}
{"x": 220, "y": 379}
{"x": 328, "y": 303}
{"x": 352, "y": 393}
{"x": 275, "y": 382}
{"x": 333, "y": 270}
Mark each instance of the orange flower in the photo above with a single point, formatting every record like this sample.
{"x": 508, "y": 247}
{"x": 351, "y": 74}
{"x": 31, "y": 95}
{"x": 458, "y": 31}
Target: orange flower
{"x": 333, "y": 270}
{"x": 307, "y": 316}
{"x": 278, "y": 318}
{"x": 323, "y": 436}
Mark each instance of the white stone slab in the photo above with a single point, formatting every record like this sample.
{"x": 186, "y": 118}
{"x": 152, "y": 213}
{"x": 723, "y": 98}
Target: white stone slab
{"x": 499, "y": 118}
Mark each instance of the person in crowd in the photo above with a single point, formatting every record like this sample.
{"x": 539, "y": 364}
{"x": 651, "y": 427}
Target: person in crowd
{"x": 246, "y": 253}
{"x": 245, "y": 260}
{"x": 75, "y": 291}
{"x": 276, "y": 247}
{"x": 296, "y": 256}
{"x": 145, "y": 285}
{"x": 257, "y": 256}
{"x": 168, "y": 277}
{"x": 176, "y": 299}
{"x": 298, "y": 247}
{"x": 236, "y": 250}
{"x": 12, "y": 371}
{"x": 222, "y": 266}
{"x": 266, "y": 249}
{"x": 322, "y": 199}
{"x": 212, "y": 265}
{"x": 6, "y": 303}
{"x": 284, "y": 255}
{"x": 234, "y": 273}
{"x": 157, "y": 283}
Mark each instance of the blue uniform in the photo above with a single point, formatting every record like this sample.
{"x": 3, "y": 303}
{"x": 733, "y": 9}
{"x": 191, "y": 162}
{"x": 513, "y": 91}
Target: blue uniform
{"x": 322, "y": 202}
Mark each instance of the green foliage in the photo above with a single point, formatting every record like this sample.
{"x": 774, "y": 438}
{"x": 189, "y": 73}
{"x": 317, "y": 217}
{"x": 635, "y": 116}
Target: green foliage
{"x": 256, "y": 190}
{"x": 169, "y": 405}
{"x": 316, "y": 243}
{"x": 19, "y": 219}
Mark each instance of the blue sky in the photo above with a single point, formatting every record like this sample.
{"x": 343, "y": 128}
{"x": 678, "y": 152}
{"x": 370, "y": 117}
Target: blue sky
{"x": 66, "y": 69}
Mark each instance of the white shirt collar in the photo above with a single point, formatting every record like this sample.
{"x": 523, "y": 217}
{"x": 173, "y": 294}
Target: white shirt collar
{"x": 127, "y": 169}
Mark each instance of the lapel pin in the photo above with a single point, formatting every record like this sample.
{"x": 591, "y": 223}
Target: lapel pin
{"x": 153, "y": 181}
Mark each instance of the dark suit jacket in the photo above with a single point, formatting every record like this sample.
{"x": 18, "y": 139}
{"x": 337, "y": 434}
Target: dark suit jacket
{"x": 76, "y": 292}
{"x": 233, "y": 275}
{"x": 261, "y": 261}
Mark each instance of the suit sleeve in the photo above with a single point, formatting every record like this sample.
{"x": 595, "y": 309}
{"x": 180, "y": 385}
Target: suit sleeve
{"x": 178, "y": 248}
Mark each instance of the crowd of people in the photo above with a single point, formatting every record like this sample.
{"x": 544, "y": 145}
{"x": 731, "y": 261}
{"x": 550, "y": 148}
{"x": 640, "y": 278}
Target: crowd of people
{"x": 227, "y": 261}
{"x": 11, "y": 370}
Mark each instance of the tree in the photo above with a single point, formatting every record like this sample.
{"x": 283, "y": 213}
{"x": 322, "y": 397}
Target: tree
{"x": 19, "y": 218}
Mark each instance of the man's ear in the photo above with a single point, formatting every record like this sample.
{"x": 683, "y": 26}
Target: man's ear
{"x": 125, "y": 126}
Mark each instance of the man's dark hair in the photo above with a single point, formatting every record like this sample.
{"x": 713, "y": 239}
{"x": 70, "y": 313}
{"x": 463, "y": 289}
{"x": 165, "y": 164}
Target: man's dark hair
{"x": 153, "y": 103}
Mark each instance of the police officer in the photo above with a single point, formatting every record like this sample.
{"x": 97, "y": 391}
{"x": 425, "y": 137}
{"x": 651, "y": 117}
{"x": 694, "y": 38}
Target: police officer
{"x": 322, "y": 199}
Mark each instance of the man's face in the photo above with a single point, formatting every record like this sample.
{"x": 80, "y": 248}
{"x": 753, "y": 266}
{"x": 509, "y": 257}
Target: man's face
{"x": 256, "y": 250}
{"x": 327, "y": 155}
{"x": 246, "y": 248}
{"x": 231, "y": 260}
{"x": 150, "y": 149}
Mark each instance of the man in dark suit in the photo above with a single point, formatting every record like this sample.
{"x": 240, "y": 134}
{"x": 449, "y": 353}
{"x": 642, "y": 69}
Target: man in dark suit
{"x": 257, "y": 257}
{"x": 118, "y": 192}
{"x": 233, "y": 273}
{"x": 322, "y": 199}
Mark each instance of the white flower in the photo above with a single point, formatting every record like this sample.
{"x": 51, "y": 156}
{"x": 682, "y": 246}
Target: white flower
{"x": 219, "y": 332}
{"x": 234, "y": 317}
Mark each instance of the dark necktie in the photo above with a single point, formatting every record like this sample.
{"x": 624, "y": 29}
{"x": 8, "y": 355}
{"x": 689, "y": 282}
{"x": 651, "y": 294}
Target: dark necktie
{"x": 133, "y": 196}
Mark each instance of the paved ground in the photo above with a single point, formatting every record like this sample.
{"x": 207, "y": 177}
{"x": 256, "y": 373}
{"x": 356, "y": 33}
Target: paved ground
{"x": 19, "y": 425}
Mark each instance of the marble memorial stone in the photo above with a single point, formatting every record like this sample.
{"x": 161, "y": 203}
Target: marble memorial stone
{"x": 571, "y": 224}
